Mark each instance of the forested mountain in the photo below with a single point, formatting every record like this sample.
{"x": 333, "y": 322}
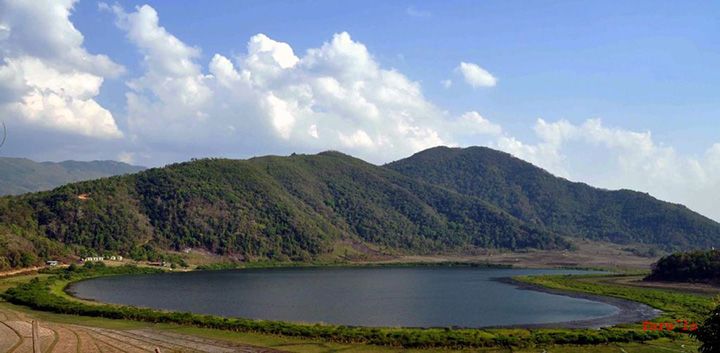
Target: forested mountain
{"x": 574, "y": 209}
{"x": 693, "y": 266}
{"x": 20, "y": 175}
{"x": 296, "y": 207}
{"x": 304, "y": 207}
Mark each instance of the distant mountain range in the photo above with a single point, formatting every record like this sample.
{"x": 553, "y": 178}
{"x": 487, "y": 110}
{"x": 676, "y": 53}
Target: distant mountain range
{"x": 20, "y": 175}
{"x": 331, "y": 205}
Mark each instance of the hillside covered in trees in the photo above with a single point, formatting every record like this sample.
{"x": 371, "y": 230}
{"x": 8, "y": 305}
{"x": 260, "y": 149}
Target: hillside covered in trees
{"x": 561, "y": 206}
{"x": 287, "y": 208}
{"x": 693, "y": 266}
{"x": 306, "y": 207}
{"x": 21, "y": 175}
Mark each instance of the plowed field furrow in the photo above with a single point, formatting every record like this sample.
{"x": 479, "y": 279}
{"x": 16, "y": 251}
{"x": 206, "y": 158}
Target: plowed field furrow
{"x": 8, "y": 338}
{"x": 86, "y": 343}
{"x": 201, "y": 344}
{"x": 16, "y": 337}
{"x": 119, "y": 344}
{"x": 146, "y": 342}
{"x": 48, "y": 342}
{"x": 24, "y": 347}
{"x": 67, "y": 341}
{"x": 106, "y": 347}
{"x": 22, "y": 328}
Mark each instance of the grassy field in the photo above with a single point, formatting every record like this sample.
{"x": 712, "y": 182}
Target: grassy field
{"x": 673, "y": 303}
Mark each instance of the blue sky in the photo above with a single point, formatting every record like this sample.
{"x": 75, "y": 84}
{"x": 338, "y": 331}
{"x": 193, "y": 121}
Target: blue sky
{"x": 619, "y": 95}
{"x": 644, "y": 65}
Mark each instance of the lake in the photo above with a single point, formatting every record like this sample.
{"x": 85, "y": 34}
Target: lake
{"x": 389, "y": 296}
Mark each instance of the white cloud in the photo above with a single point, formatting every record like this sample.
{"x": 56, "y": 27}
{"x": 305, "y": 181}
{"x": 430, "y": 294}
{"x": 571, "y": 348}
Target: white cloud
{"x": 446, "y": 83}
{"x": 262, "y": 50}
{"x": 473, "y": 123}
{"x": 312, "y": 131}
{"x": 335, "y": 95}
{"x": 358, "y": 139}
{"x": 42, "y": 29}
{"x": 47, "y": 78}
{"x": 281, "y": 115}
{"x": 126, "y": 157}
{"x": 414, "y": 12}
{"x": 170, "y": 100}
{"x": 616, "y": 158}
{"x": 475, "y": 75}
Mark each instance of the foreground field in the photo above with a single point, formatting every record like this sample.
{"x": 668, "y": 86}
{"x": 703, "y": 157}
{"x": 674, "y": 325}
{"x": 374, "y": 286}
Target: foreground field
{"x": 16, "y": 337}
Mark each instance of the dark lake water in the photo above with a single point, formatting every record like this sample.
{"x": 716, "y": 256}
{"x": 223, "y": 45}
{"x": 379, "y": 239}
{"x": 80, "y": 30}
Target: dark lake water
{"x": 413, "y": 297}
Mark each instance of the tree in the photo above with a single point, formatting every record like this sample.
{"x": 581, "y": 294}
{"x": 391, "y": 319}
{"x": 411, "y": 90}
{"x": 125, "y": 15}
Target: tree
{"x": 709, "y": 333}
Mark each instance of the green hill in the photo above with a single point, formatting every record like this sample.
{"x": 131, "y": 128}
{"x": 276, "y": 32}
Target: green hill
{"x": 20, "y": 175}
{"x": 297, "y": 208}
{"x": 574, "y": 209}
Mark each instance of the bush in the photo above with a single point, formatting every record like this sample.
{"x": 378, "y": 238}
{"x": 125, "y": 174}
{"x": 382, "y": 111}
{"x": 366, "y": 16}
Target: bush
{"x": 709, "y": 333}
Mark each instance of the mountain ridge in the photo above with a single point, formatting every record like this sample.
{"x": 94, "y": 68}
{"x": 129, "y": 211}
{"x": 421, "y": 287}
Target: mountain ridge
{"x": 21, "y": 175}
{"x": 284, "y": 208}
{"x": 301, "y": 207}
{"x": 572, "y": 208}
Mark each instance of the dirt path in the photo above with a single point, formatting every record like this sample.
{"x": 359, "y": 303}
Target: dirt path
{"x": 16, "y": 336}
{"x": 20, "y": 271}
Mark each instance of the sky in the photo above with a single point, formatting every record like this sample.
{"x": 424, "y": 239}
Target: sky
{"x": 617, "y": 95}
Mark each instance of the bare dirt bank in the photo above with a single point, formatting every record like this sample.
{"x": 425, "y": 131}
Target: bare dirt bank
{"x": 588, "y": 254}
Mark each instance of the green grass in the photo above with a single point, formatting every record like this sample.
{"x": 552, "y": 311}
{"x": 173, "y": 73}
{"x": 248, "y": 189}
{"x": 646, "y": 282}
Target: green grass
{"x": 675, "y": 305}
{"x": 13, "y": 281}
{"x": 302, "y": 345}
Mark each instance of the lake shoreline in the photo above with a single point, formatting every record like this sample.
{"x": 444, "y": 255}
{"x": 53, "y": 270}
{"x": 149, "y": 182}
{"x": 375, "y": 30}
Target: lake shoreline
{"x": 612, "y": 317}
{"x": 628, "y": 311}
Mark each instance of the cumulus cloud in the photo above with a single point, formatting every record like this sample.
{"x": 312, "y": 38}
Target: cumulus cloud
{"x": 332, "y": 96}
{"x": 475, "y": 75}
{"x": 172, "y": 94}
{"x": 47, "y": 78}
{"x": 475, "y": 124}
